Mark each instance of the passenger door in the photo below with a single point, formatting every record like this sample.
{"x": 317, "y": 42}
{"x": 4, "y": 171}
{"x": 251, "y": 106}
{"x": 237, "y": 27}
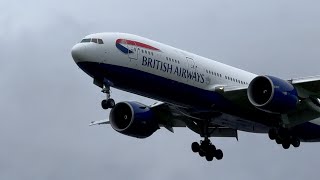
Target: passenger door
{"x": 191, "y": 64}
{"x": 192, "y": 69}
{"x": 133, "y": 50}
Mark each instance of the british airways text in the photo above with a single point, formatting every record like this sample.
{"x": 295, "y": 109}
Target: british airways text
{"x": 171, "y": 69}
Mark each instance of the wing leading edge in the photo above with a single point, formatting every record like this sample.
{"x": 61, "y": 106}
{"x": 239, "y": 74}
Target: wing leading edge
{"x": 307, "y": 86}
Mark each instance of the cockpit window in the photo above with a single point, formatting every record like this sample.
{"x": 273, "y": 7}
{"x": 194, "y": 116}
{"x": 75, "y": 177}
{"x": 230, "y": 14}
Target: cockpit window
{"x": 100, "y": 41}
{"x": 94, "y": 40}
{"x": 85, "y": 40}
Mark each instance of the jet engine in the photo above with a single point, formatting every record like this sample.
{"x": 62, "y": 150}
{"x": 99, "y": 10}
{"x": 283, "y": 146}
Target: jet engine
{"x": 272, "y": 94}
{"x": 133, "y": 119}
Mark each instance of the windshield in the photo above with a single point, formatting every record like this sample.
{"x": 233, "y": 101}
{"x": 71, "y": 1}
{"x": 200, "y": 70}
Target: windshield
{"x": 94, "y": 40}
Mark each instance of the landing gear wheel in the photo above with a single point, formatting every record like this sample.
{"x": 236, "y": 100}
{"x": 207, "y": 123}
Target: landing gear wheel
{"x": 111, "y": 103}
{"x": 205, "y": 147}
{"x": 272, "y": 134}
{"x": 207, "y": 150}
{"x": 285, "y": 145}
{"x": 201, "y": 153}
{"x": 295, "y": 142}
{"x": 212, "y": 148}
{"x": 205, "y": 144}
{"x": 106, "y": 104}
{"x": 195, "y": 147}
{"x": 278, "y": 140}
{"x": 283, "y": 133}
{"x": 209, "y": 157}
{"x": 219, "y": 154}
{"x": 284, "y": 137}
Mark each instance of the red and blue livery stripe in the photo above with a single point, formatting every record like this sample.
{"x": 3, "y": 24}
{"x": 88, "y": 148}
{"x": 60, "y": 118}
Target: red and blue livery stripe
{"x": 122, "y": 45}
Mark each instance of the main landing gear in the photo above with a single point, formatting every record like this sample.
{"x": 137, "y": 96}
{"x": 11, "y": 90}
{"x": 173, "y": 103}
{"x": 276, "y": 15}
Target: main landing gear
{"x": 108, "y": 102}
{"x": 282, "y": 136}
{"x": 207, "y": 149}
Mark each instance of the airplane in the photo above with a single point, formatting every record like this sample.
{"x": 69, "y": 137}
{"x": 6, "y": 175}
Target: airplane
{"x": 210, "y": 98}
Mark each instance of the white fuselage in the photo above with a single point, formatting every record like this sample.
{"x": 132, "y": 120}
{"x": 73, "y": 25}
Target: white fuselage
{"x": 155, "y": 70}
{"x": 167, "y": 62}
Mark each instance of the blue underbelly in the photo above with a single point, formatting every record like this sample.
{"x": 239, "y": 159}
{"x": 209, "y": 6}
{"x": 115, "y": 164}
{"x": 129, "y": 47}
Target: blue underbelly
{"x": 170, "y": 91}
{"x": 155, "y": 87}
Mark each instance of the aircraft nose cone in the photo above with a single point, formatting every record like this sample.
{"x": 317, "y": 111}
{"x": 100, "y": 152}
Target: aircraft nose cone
{"x": 77, "y": 53}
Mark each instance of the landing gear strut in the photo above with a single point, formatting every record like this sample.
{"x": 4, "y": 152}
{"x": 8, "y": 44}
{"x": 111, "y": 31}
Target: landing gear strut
{"x": 205, "y": 148}
{"x": 282, "y": 136}
{"x": 108, "y": 102}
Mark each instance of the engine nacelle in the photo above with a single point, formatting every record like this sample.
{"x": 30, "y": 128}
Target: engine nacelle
{"x": 133, "y": 119}
{"x": 272, "y": 94}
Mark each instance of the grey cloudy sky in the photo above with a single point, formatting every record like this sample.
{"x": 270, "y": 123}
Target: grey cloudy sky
{"x": 46, "y": 102}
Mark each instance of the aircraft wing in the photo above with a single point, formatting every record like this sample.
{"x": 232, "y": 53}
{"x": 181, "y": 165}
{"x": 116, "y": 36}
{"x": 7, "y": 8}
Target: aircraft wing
{"x": 236, "y": 94}
{"x": 307, "y": 86}
{"x": 171, "y": 116}
{"x": 308, "y": 89}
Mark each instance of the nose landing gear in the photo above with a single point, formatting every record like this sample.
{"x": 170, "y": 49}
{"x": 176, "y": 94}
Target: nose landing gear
{"x": 108, "y": 102}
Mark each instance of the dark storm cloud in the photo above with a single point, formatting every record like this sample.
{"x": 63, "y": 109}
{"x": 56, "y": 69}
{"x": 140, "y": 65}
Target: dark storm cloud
{"x": 46, "y": 102}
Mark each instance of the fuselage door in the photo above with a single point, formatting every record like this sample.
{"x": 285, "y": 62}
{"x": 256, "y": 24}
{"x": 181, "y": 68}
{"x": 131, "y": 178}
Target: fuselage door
{"x": 133, "y": 50}
{"x": 192, "y": 70}
{"x": 191, "y": 64}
